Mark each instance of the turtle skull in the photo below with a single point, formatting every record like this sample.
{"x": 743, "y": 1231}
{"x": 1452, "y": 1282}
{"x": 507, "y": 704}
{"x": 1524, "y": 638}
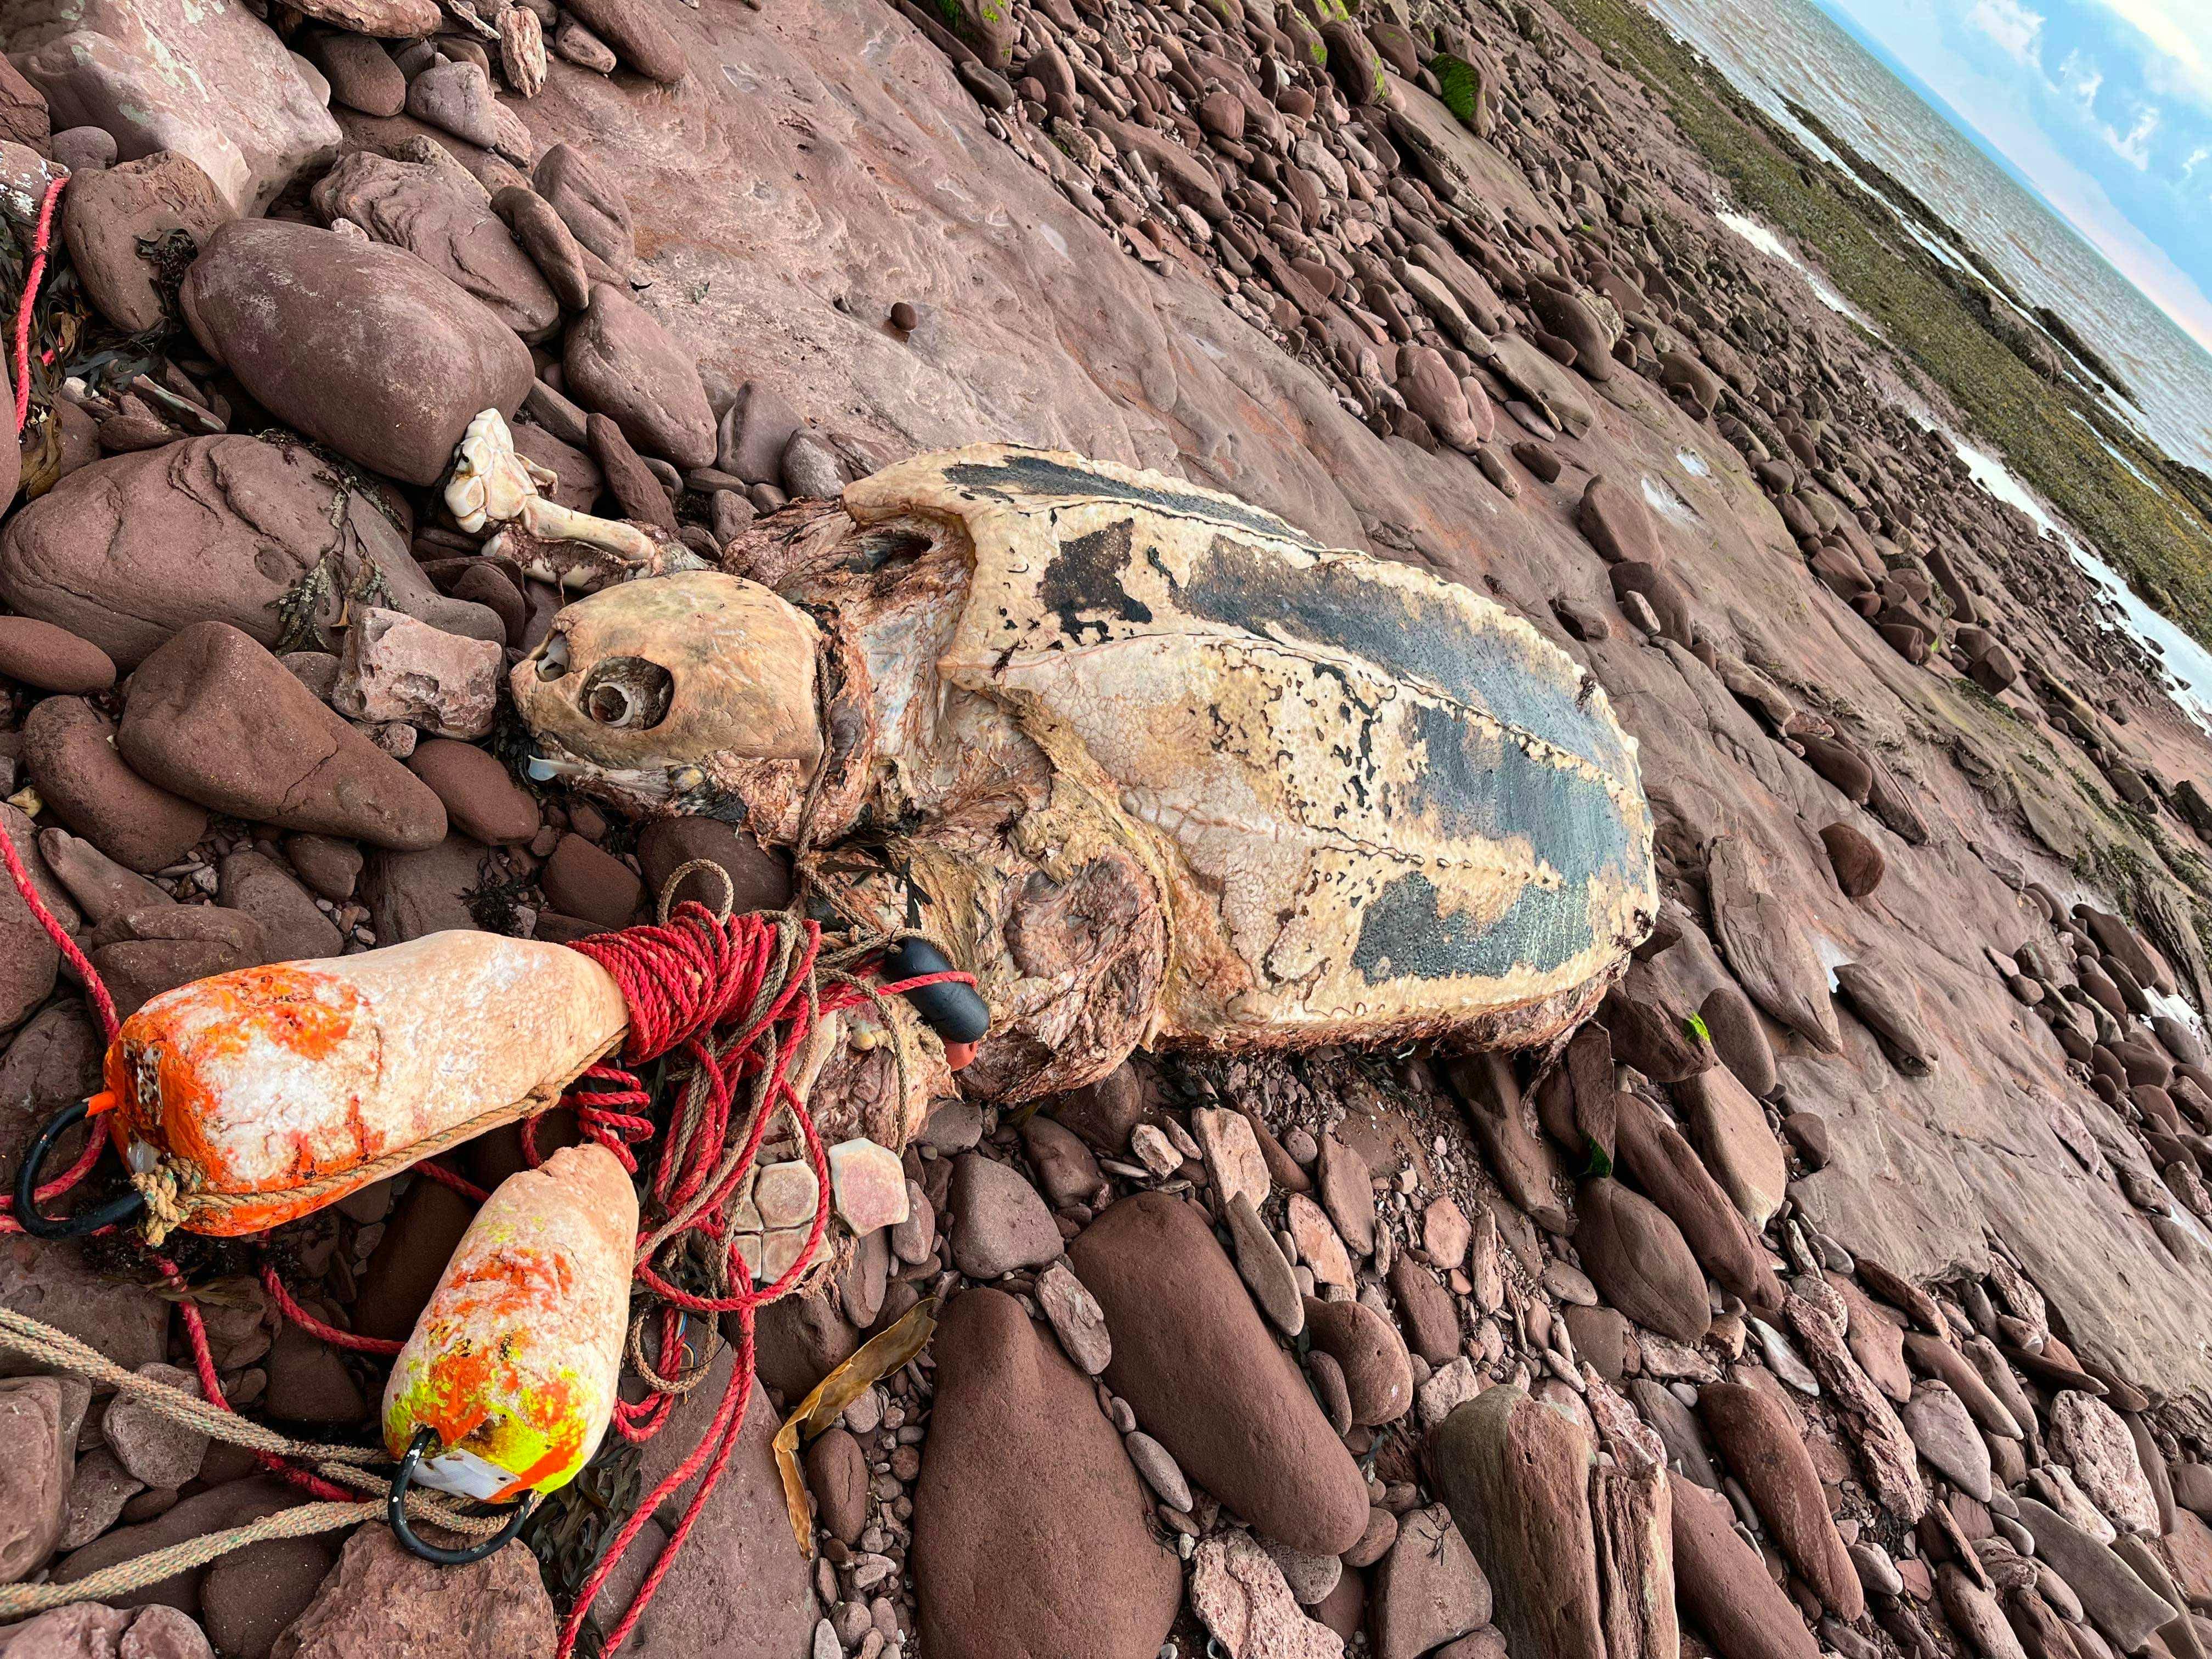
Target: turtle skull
{"x": 677, "y": 693}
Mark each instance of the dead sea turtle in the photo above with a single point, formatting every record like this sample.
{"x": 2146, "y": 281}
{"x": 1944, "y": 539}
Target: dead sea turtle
{"x": 1152, "y": 765}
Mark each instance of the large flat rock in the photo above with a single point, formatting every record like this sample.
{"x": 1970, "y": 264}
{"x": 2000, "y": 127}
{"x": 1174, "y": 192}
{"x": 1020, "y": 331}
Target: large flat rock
{"x": 206, "y": 78}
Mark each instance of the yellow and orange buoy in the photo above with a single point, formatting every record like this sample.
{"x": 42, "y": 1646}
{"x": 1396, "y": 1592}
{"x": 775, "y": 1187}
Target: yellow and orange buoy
{"x": 512, "y": 1367}
{"x": 250, "y": 1098}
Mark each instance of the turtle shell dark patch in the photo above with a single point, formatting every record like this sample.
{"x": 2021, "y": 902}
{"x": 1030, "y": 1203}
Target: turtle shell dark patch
{"x": 1404, "y": 932}
{"x": 1032, "y": 473}
{"x": 1336, "y": 606}
{"x": 1083, "y": 585}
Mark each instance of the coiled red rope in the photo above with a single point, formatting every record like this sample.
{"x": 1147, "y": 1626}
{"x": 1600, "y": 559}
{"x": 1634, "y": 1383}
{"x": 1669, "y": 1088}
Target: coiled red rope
{"x": 742, "y": 996}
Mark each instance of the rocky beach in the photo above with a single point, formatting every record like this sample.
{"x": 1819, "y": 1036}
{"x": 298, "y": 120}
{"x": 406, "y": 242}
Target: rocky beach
{"x": 1842, "y": 1286}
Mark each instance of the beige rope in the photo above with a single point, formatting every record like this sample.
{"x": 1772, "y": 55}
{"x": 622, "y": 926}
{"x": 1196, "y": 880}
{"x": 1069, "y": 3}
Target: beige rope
{"x": 341, "y": 1465}
{"x": 62, "y": 1351}
{"x": 144, "y": 1572}
{"x": 173, "y": 1200}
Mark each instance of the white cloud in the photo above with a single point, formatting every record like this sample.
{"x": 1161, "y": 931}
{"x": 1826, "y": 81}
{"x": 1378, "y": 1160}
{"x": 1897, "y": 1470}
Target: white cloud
{"x": 2197, "y": 158}
{"x": 1992, "y": 105}
{"x": 2017, "y": 31}
{"x": 2133, "y": 146}
{"x": 2180, "y": 32}
{"x": 2079, "y": 80}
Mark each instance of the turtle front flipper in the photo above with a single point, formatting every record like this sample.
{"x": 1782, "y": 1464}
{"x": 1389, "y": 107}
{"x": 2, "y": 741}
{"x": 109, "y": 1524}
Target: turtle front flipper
{"x": 1061, "y": 925}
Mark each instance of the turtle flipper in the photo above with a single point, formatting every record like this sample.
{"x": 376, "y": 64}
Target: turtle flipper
{"x": 1069, "y": 950}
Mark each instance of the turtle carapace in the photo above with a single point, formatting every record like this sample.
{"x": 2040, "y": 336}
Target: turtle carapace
{"x": 1157, "y": 767}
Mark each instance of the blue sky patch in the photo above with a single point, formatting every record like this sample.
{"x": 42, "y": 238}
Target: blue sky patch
{"x": 2103, "y": 107}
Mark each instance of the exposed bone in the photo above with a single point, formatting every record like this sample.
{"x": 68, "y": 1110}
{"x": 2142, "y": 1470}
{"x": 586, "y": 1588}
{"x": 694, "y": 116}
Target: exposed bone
{"x": 492, "y": 485}
{"x": 581, "y": 567}
{"x": 700, "y": 665}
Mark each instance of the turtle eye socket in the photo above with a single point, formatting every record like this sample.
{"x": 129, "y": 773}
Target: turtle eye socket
{"x": 631, "y": 693}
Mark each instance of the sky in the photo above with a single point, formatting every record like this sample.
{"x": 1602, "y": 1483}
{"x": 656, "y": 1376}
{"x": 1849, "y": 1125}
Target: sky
{"x": 2103, "y": 107}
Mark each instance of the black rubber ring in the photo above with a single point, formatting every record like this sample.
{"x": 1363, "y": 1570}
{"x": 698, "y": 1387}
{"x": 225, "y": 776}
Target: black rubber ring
{"x": 395, "y": 1512}
{"x": 115, "y": 1211}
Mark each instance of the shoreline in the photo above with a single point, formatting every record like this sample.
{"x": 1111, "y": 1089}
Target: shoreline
{"x": 2162, "y": 547}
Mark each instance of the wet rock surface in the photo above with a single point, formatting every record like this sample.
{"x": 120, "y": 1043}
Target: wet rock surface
{"x": 1199, "y": 1369}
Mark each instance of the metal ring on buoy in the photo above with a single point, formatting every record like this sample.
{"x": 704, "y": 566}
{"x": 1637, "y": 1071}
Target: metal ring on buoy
{"x": 115, "y": 1211}
{"x": 395, "y": 1512}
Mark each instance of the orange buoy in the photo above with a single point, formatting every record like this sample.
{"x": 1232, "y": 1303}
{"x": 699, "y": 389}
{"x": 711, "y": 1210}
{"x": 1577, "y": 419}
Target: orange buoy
{"x": 244, "y": 1101}
{"x": 509, "y": 1376}
{"x": 250, "y": 1098}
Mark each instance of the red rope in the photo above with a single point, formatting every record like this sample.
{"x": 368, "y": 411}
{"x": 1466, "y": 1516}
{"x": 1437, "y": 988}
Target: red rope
{"x": 444, "y": 1177}
{"x": 290, "y": 1308}
{"x": 103, "y": 1004}
{"x": 721, "y": 1440}
{"x": 94, "y": 989}
{"x": 29, "y": 301}
{"x": 681, "y": 981}
{"x": 212, "y": 1389}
